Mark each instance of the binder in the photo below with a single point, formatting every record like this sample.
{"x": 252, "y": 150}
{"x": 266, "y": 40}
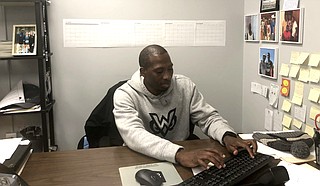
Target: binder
{"x": 19, "y": 158}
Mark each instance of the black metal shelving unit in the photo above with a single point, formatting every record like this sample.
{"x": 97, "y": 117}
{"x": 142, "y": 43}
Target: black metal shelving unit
{"x": 43, "y": 58}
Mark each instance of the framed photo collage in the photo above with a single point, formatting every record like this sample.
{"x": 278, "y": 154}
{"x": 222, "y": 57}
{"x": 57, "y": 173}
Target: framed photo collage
{"x": 273, "y": 25}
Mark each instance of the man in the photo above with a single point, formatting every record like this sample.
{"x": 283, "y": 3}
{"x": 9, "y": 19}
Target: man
{"x": 269, "y": 66}
{"x": 262, "y": 68}
{"x": 155, "y": 106}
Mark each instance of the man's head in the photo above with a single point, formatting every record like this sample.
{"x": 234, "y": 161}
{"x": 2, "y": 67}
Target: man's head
{"x": 156, "y": 68}
{"x": 264, "y": 57}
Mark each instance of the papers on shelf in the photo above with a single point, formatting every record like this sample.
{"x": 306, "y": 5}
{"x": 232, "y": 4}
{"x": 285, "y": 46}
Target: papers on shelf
{"x": 21, "y": 110}
{"x": 5, "y": 48}
{"x": 15, "y": 96}
{"x": 24, "y": 97}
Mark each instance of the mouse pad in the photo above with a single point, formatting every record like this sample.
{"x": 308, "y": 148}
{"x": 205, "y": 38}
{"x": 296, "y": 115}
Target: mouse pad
{"x": 169, "y": 172}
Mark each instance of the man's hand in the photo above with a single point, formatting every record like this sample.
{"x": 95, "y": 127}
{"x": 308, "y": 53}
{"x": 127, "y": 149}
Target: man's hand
{"x": 200, "y": 157}
{"x": 234, "y": 143}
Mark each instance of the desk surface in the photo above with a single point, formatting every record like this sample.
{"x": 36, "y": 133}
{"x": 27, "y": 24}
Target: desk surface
{"x": 93, "y": 166}
{"x": 98, "y": 166}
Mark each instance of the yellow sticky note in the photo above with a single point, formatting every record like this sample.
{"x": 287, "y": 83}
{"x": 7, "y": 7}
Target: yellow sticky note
{"x": 304, "y": 75}
{"x": 302, "y": 57}
{"x": 314, "y": 60}
{"x": 284, "y": 128}
{"x": 297, "y": 123}
{"x": 294, "y": 70}
{"x": 286, "y": 121}
{"x": 298, "y": 93}
{"x": 313, "y": 112}
{"x": 314, "y": 94}
{"x": 314, "y": 75}
{"x": 294, "y": 57}
{"x": 286, "y": 105}
{"x": 309, "y": 130}
{"x": 284, "y": 70}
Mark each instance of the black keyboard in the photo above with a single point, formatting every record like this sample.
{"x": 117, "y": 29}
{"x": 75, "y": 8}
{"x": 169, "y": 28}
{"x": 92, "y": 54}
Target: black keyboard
{"x": 237, "y": 168}
{"x": 281, "y": 135}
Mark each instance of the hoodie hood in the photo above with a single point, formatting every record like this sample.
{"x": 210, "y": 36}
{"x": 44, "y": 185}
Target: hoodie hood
{"x": 136, "y": 82}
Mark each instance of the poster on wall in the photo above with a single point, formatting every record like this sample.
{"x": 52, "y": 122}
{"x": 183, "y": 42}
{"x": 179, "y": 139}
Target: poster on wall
{"x": 251, "y": 27}
{"x": 291, "y": 26}
{"x": 24, "y": 40}
{"x": 269, "y": 5}
{"x": 269, "y": 27}
{"x": 268, "y": 62}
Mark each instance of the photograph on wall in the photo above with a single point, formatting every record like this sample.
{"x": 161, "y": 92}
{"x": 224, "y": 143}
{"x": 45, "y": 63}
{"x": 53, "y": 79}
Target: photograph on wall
{"x": 269, "y": 5}
{"x": 24, "y": 40}
{"x": 251, "y": 28}
{"x": 291, "y": 26}
{"x": 269, "y": 27}
{"x": 268, "y": 61}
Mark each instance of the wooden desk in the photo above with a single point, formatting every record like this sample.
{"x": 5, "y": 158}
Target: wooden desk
{"x": 92, "y": 166}
{"x": 99, "y": 166}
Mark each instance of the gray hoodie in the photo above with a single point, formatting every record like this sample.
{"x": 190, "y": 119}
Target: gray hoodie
{"x": 148, "y": 124}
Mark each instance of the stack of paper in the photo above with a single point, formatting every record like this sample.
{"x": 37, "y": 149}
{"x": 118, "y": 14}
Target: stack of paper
{"x": 5, "y": 48}
{"x": 24, "y": 97}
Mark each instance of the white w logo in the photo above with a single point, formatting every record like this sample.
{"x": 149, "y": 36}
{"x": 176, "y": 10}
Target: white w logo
{"x": 163, "y": 125}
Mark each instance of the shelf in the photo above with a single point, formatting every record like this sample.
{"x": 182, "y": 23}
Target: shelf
{"x": 21, "y": 2}
{"x": 47, "y": 109}
{"x": 23, "y": 57}
{"x": 43, "y": 58}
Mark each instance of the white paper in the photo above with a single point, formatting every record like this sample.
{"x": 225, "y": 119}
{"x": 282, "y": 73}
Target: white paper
{"x": 300, "y": 113}
{"x": 256, "y": 88}
{"x": 277, "y": 120}
{"x": 300, "y": 174}
{"x": 274, "y": 95}
{"x": 268, "y": 119}
{"x": 15, "y": 96}
{"x": 131, "y": 33}
{"x": 7, "y": 148}
{"x": 290, "y": 4}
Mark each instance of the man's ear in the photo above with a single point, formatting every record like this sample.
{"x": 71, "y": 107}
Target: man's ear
{"x": 142, "y": 71}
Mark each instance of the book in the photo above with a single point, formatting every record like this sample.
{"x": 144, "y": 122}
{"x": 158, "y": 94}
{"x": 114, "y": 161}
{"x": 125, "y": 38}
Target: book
{"x": 169, "y": 172}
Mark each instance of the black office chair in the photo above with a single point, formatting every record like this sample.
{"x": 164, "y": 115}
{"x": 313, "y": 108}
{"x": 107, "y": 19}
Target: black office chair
{"x": 100, "y": 127}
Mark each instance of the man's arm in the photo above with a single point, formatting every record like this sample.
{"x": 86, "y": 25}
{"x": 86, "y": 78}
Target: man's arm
{"x": 207, "y": 117}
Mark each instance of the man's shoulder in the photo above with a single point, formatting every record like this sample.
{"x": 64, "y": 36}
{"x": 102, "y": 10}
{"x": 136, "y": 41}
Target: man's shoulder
{"x": 183, "y": 80}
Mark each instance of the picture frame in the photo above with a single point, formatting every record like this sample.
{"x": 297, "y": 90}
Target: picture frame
{"x": 268, "y": 62}
{"x": 291, "y": 27}
{"x": 251, "y": 27}
{"x": 269, "y": 5}
{"x": 269, "y": 26}
{"x": 24, "y": 40}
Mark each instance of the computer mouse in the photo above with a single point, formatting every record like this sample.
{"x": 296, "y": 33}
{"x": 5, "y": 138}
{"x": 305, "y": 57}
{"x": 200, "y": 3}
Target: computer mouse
{"x": 149, "y": 178}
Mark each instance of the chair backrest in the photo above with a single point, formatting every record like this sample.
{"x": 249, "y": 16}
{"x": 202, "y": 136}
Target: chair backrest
{"x": 100, "y": 127}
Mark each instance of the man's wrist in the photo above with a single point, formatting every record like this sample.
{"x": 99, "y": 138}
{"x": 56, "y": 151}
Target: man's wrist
{"x": 177, "y": 154}
{"x": 228, "y": 133}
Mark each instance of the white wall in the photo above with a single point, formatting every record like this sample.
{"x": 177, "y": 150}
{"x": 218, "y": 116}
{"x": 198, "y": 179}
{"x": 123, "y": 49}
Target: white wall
{"x": 81, "y": 76}
{"x": 254, "y": 105}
